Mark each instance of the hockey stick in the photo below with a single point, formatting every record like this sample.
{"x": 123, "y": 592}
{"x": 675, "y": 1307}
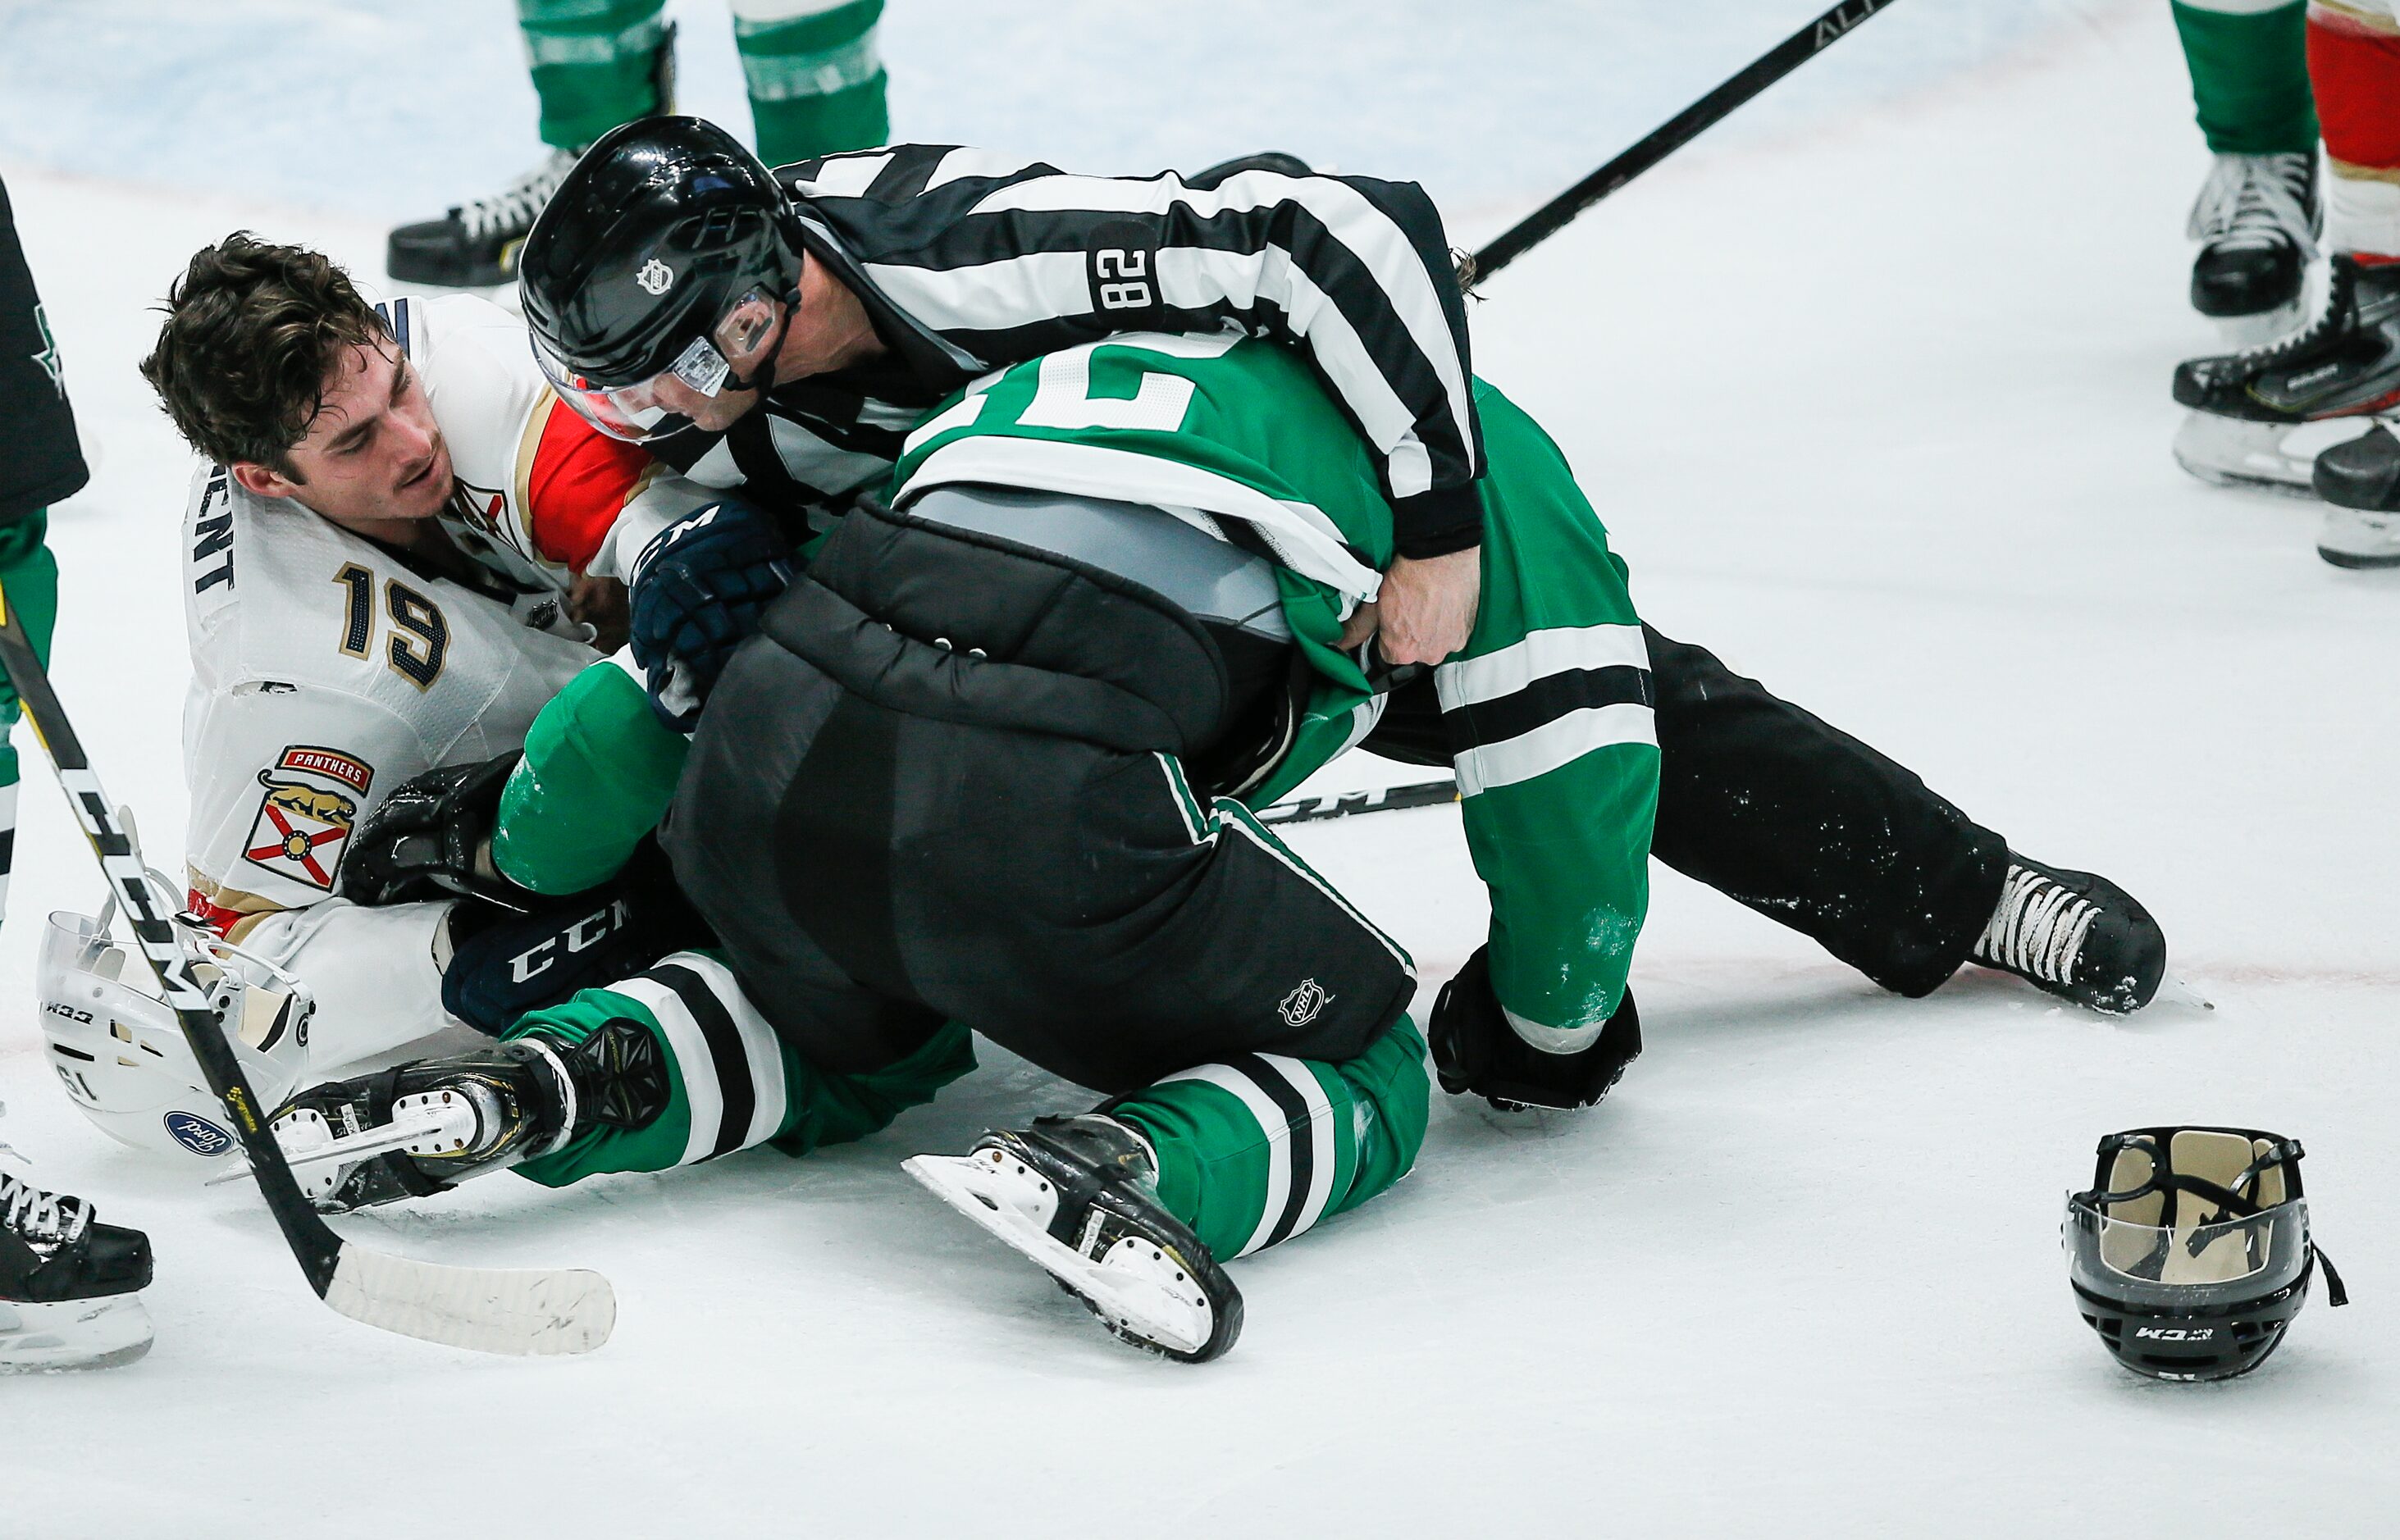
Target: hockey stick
{"x": 1311, "y": 810}
{"x": 1669, "y": 137}
{"x": 491, "y": 1310}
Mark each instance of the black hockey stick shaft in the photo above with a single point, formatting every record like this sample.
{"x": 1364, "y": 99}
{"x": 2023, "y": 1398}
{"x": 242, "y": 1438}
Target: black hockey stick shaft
{"x": 1673, "y": 134}
{"x": 1311, "y": 810}
{"x": 313, "y": 1242}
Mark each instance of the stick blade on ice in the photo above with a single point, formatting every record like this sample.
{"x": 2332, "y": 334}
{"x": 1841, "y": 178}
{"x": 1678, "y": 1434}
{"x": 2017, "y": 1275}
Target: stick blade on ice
{"x": 524, "y": 1312}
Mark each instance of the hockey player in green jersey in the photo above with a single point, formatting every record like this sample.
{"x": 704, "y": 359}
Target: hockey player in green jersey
{"x": 987, "y": 764}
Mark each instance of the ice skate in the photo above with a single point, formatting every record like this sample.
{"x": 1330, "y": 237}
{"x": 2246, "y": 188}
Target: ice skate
{"x": 1077, "y": 1195}
{"x": 2246, "y": 406}
{"x": 2258, "y": 217}
{"x": 2075, "y": 936}
{"x": 2360, "y": 483}
{"x": 70, "y": 1287}
{"x": 426, "y": 1126}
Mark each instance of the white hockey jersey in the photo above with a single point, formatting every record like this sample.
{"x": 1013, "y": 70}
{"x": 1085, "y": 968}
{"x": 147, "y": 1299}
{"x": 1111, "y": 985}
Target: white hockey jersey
{"x": 327, "y": 670}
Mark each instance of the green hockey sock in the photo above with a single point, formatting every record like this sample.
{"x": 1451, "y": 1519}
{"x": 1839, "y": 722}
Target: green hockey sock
{"x": 1261, "y": 1148}
{"x": 816, "y": 83}
{"x": 2249, "y": 75}
{"x": 591, "y": 64}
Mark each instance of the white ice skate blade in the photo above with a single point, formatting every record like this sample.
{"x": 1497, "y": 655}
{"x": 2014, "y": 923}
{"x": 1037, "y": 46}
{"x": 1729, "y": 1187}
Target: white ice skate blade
{"x": 2354, "y": 537}
{"x": 1131, "y": 1286}
{"x": 98, "y": 1333}
{"x": 2241, "y": 333}
{"x": 308, "y": 1140}
{"x": 2229, "y": 452}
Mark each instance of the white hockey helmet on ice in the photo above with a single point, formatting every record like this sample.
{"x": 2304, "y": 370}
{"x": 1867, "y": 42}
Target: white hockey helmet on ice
{"x": 117, "y": 1049}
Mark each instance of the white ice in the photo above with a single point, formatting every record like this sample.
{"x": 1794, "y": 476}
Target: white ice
{"x": 1873, "y": 400}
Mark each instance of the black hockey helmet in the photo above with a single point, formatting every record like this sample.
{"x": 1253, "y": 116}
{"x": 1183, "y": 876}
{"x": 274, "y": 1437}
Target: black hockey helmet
{"x": 2190, "y": 1254}
{"x": 663, "y": 246}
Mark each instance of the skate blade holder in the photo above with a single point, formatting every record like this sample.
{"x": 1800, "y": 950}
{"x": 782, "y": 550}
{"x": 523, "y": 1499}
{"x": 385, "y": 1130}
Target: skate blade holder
{"x": 1134, "y": 1287}
{"x": 425, "y": 1124}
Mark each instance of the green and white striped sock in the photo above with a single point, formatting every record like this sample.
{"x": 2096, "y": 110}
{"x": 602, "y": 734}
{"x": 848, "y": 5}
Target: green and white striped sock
{"x": 591, "y": 64}
{"x": 815, "y": 78}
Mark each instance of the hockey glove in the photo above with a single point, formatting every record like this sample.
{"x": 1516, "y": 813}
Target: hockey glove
{"x": 698, "y": 589}
{"x": 1475, "y": 1051}
{"x": 428, "y": 840}
{"x": 502, "y": 965}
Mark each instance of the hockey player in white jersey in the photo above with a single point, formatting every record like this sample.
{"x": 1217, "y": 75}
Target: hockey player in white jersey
{"x": 397, "y": 556}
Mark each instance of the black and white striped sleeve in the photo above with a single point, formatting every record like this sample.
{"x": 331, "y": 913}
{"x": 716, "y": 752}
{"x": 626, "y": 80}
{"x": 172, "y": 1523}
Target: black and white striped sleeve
{"x": 1008, "y": 262}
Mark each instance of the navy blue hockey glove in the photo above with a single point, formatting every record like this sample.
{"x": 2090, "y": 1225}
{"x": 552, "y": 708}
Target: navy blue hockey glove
{"x": 1475, "y": 1051}
{"x": 699, "y": 590}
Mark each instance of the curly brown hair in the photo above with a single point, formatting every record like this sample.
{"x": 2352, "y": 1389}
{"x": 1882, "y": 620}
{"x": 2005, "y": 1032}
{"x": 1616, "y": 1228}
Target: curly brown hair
{"x": 254, "y": 332}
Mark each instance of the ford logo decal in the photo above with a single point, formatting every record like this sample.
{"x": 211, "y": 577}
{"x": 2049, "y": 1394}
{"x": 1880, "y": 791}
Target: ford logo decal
{"x": 198, "y": 1135}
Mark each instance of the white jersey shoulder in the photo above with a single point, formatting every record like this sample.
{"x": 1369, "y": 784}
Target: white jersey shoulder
{"x": 493, "y": 406}
{"x": 325, "y": 671}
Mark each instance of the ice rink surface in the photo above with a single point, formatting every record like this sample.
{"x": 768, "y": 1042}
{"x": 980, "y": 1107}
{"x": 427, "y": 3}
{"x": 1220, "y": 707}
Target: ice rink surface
{"x": 1873, "y": 396}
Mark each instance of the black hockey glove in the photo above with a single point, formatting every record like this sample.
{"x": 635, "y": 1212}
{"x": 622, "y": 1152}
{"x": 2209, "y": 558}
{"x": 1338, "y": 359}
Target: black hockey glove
{"x": 698, "y": 589}
{"x": 426, "y": 838}
{"x": 1475, "y": 1051}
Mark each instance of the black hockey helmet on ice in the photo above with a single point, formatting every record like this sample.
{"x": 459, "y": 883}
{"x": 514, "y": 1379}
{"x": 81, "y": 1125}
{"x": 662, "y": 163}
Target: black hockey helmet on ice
{"x": 2190, "y": 1254}
{"x": 653, "y": 237}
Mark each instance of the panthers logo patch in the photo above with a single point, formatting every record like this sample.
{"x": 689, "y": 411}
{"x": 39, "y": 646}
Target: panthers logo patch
{"x": 305, "y": 817}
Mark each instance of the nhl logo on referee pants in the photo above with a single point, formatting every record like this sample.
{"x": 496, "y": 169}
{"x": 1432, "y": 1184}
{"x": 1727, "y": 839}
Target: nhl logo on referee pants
{"x": 1301, "y": 1006}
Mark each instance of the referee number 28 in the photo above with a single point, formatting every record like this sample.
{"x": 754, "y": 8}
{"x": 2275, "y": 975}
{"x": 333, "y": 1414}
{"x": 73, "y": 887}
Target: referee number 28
{"x": 420, "y": 636}
{"x": 1131, "y": 271}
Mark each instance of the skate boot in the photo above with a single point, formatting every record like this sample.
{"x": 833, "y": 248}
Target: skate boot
{"x": 426, "y": 1126}
{"x": 2075, "y": 936}
{"x": 474, "y": 246}
{"x": 2246, "y": 405}
{"x": 1079, "y": 1196}
{"x": 70, "y": 1288}
{"x": 2360, "y": 482}
{"x": 2258, "y": 216}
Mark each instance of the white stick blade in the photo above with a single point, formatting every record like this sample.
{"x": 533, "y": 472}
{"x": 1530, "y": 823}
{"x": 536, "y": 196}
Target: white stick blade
{"x": 518, "y": 1311}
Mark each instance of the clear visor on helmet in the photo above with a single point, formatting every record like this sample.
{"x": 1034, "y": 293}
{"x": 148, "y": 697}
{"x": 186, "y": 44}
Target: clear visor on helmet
{"x": 646, "y": 409}
{"x": 2118, "y": 1252}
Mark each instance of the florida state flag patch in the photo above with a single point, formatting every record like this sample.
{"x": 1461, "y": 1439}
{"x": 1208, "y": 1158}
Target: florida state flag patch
{"x": 305, "y": 817}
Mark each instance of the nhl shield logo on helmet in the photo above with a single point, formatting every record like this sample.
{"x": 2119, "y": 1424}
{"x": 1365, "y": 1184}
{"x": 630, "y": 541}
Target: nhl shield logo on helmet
{"x": 655, "y": 277}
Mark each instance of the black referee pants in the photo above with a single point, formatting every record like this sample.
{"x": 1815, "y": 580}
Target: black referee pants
{"x": 1791, "y": 816}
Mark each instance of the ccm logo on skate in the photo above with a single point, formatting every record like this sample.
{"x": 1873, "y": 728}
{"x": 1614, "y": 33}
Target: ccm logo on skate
{"x": 2177, "y": 1334}
{"x": 60, "y": 1008}
{"x": 198, "y": 1135}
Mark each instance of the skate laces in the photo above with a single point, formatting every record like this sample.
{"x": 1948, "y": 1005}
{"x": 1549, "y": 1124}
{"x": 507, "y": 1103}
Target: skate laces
{"x": 2255, "y": 202}
{"x": 37, "y": 1216}
{"x": 2039, "y": 928}
{"x": 517, "y": 205}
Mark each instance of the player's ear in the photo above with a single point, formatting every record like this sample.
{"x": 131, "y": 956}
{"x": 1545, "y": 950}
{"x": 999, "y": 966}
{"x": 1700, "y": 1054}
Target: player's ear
{"x": 261, "y": 480}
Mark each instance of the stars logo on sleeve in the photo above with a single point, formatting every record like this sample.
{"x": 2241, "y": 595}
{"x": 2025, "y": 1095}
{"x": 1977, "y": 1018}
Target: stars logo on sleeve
{"x": 305, "y": 817}
{"x": 47, "y": 359}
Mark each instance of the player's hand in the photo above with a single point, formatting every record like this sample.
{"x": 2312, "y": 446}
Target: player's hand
{"x": 432, "y": 837}
{"x": 1359, "y": 626}
{"x": 1428, "y": 608}
{"x": 602, "y": 604}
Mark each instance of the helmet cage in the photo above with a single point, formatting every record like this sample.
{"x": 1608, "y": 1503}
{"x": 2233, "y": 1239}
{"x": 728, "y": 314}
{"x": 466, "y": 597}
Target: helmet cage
{"x": 2190, "y": 1254}
{"x": 119, "y": 1051}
